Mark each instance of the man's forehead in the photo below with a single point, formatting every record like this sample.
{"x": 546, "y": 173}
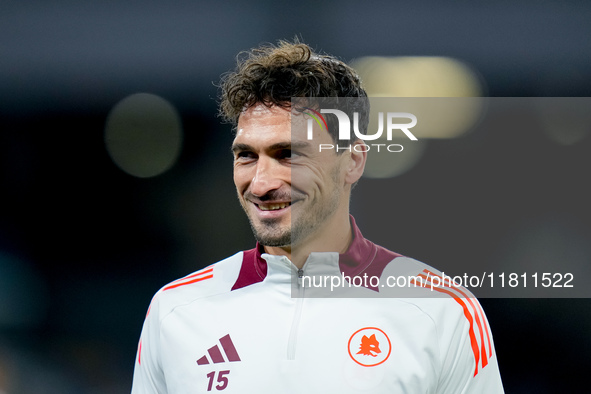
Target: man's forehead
{"x": 261, "y": 121}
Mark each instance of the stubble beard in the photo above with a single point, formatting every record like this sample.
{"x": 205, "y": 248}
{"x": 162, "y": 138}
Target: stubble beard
{"x": 269, "y": 232}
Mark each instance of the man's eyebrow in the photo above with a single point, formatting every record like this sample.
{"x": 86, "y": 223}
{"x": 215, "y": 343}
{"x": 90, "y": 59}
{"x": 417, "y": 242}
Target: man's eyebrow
{"x": 241, "y": 147}
{"x": 290, "y": 145}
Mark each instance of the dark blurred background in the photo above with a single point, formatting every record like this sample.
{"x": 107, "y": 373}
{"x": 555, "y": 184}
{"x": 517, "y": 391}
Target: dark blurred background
{"x": 86, "y": 239}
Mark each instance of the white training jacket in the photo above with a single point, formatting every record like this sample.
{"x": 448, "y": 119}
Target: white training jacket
{"x": 253, "y": 324}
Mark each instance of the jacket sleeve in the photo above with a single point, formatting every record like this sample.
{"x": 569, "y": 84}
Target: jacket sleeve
{"x": 470, "y": 363}
{"x": 148, "y": 376}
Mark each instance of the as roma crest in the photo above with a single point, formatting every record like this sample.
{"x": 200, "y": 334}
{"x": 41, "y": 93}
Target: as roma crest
{"x": 369, "y": 346}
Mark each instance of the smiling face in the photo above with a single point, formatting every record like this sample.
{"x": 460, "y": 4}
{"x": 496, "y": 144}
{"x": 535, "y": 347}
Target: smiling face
{"x": 289, "y": 191}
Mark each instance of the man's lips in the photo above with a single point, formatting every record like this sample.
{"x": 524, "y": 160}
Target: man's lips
{"x": 273, "y": 204}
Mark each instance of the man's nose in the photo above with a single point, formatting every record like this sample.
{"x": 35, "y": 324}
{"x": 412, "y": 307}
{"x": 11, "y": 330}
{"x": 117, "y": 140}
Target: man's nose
{"x": 267, "y": 177}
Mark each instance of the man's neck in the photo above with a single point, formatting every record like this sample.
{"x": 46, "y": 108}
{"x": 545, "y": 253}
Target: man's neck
{"x": 335, "y": 236}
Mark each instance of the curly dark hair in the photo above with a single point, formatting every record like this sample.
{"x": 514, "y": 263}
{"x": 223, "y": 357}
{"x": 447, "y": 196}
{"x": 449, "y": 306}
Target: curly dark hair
{"x": 273, "y": 74}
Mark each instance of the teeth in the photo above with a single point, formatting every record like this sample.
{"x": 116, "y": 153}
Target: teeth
{"x": 273, "y": 207}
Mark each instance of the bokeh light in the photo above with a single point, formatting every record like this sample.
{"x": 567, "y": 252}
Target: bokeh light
{"x": 420, "y": 76}
{"x": 419, "y": 84}
{"x": 143, "y": 135}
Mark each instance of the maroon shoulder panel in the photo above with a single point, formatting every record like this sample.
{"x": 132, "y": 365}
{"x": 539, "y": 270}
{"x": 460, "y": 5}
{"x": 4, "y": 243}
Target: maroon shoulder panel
{"x": 253, "y": 269}
{"x": 364, "y": 257}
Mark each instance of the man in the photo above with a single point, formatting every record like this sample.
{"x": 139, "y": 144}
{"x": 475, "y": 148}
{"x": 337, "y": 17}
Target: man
{"x": 235, "y": 327}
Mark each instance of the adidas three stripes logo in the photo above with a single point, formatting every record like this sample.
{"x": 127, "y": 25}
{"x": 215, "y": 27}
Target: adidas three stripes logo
{"x": 215, "y": 354}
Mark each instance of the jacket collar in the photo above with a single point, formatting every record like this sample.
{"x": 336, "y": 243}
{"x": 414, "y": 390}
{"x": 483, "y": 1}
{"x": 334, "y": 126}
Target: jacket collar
{"x": 362, "y": 257}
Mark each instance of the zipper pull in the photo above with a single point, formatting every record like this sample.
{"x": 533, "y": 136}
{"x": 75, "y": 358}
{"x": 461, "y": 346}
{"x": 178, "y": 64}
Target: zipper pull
{"x": 300, "y": 276}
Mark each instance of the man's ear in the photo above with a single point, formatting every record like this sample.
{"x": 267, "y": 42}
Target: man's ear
{"x": 356, "y": 163}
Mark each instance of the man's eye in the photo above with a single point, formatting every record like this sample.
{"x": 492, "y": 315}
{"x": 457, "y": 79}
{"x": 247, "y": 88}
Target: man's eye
{"x": 245, "y": 155}
{"x": 286, "y": 154}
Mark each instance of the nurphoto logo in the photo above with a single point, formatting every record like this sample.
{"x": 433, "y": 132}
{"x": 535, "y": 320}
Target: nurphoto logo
{"x": 393, "y": 125}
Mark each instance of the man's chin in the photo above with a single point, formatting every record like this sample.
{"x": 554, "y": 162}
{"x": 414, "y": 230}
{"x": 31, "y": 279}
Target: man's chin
{"x": 274, "y": 240}
{"x": 270, "y": 233}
